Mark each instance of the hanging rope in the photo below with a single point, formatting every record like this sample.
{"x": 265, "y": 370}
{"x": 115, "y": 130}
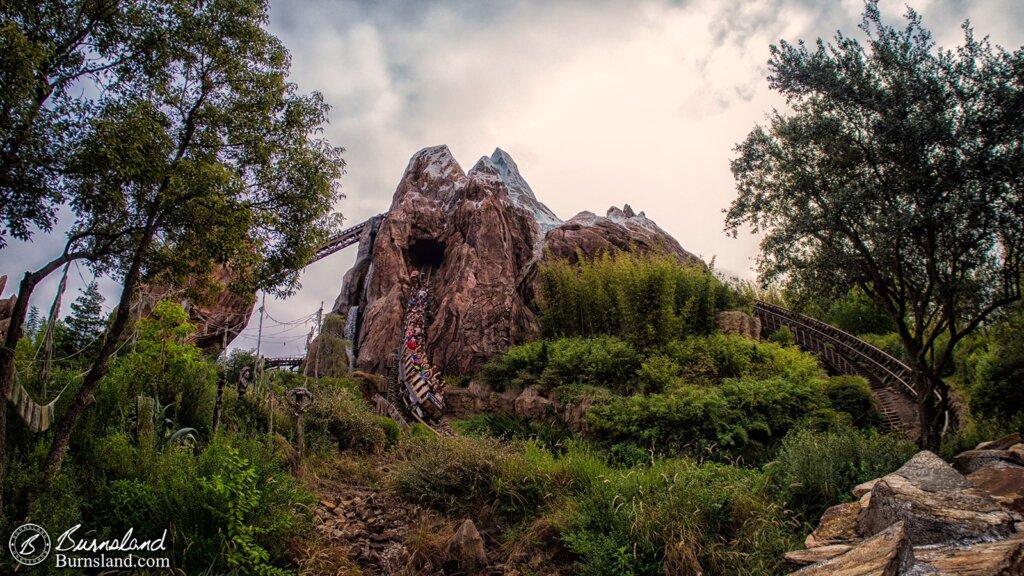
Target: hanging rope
{"x": 44, "y": 373}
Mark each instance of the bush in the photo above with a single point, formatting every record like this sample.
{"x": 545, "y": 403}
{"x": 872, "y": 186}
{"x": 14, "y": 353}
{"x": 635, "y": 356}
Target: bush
{"x": 677, "y": 517}
{"x": 709, "y": 359}
{"x": 647, "y": 300}
{"x": 815, "y": 470}
{"x": 602, "y": 360}
{"x": 457, "y": 475}
{"x": 742, "y": 417}
{"x": 339, "y": 420}
{"x": 852, "y": 395}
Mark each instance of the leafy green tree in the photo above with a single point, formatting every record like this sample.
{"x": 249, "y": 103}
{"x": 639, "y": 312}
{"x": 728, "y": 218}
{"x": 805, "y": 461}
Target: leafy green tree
{"x": 214, "y": 160}
{"x": 898, "y": 171}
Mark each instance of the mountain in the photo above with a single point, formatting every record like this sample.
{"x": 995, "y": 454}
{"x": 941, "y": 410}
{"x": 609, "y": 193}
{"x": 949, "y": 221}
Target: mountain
{"x": 480, "y": 237}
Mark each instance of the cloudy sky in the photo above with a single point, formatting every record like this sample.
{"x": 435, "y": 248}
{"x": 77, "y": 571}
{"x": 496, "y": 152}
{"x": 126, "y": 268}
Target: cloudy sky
{"x": 600, "y": 102}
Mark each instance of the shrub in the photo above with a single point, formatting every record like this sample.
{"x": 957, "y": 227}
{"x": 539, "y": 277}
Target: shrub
{"x": 742, "y": 417}
{"x": 677, "y": 517}
{"x": 815, "y": 470}
{"x": 709, "y": 359}
{"x": 339, "y": 420}
{"x": 647, "y": 300}
{"x": 456, "y": 475}
{"x": 603, "y": 360}
{"x": 852, "y": 395}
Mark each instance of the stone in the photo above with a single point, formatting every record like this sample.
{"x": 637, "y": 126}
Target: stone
{"x": 974, "y": 460}
{"x": 738, "y": 323}
{"x": 928, "y": 472}
{"x": 480, "y": 236}
{"x": 1004, "y": 483}
{"x": 1004, "y": 443}
{"x": 530, "y": 404}
{"x": 838, "y": 525}
{"x": 887, "y": 553}
{"x": 861, "y": 489}
{"x": 466, "y": 547}
{"x": 954, "y": 516}
{"x": 799, "y": 558}
{"x": 1003, "y": 558}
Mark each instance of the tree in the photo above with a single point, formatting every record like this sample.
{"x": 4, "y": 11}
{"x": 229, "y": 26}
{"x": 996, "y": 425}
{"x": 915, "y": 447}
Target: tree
{"x": 86, "y": 322}
{"x": 206, "y": 157}
{"x": 898, "y": 171}
{"x": 213, "y": 161}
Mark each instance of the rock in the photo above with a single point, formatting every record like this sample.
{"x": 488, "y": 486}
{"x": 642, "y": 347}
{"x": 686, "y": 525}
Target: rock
{"x": 591, "y": 235}
{"x": 887, "y": 553}
{"x": 1004, "y": 483}
{"x": 738, "y": 323}
{"x": 466, "y": 547}
{"x": 1003, "y": 558}
{"x": 928, "y": 472}
{"x": 799, "y": 558}
{"x": 6, "y": 308}
{"x": 953, "y": 516}
{"x": 214, "y": 306}
{"x": 480, "y": 236}
{"x": 861, "y": 489}
{"x": 1004, "y": 443}
{"x": 530, "y": 404}
{"x": 838, "y": 525}
{"x": 974, "y": 460}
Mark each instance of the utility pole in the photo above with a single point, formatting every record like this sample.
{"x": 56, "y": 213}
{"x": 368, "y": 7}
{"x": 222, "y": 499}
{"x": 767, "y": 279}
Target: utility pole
{"x": 319, "y": 341}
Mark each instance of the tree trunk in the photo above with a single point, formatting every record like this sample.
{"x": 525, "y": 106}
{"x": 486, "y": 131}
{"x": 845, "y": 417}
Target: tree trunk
{"x": 932, "y": 410}
{"x": 100, "y": 366}
{"x": 219, "y": 406}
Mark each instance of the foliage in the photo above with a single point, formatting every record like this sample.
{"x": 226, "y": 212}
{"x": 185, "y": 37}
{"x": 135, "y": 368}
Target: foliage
{"x": 708, "y": 359}
{"x": 815, "y": 470}
{"x": 992, "y": 369}
{"x": 604, "y": 360}
{"x": 783, "y": 337}
{"x": 646, "y": 300}
{"x": 858, "y": 314}
{"x": 164, "y": 365}
{"x": 898, "y": 172}
{"x": 455, "y": 475}
{"x": 852, "y": 395}
{"x": 677, "y": 517}
{"x": 742, "y": 417}
{"x": 238, "y": 497}
{"x": 341, "y": 420}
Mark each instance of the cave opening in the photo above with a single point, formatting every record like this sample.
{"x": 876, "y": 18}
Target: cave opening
{"x": 426, "y": 253}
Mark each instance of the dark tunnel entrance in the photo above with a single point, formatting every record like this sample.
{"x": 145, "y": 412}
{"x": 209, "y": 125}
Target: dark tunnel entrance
{"x": 426, "y": 253}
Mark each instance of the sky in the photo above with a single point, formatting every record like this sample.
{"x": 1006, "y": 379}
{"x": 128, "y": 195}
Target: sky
{"x": 599, "y": 102}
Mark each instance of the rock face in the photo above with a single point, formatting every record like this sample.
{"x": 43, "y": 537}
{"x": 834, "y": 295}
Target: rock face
{"x": 927, "y": 518}
{"x": 479, "y": 236}
{"x": 6, "y": 307}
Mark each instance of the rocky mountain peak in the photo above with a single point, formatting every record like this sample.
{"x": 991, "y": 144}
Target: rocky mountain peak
{"x": 480, "y": 237}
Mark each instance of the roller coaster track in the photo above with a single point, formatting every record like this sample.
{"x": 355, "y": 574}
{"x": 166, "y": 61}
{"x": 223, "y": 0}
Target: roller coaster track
{"x": 342, "y": 240}
{"x": 891, "y": 381}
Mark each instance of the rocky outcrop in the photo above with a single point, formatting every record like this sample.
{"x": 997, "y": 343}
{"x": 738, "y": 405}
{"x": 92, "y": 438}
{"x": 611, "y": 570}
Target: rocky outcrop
{"x": 480, "y": 237}
{"x": 927, "y": 518}
{"x": 218, "y": 310}
{"x": 735, "y": 322}
{"x": 531, "y": 403}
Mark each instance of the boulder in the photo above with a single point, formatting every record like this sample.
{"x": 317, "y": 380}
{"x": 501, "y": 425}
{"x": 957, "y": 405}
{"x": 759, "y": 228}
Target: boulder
{"x": 1004, "y": 443}
{"x": 800, "y": 558}
{"x": 974, "y": 460}
{"x": 838, "y": 525}
{"x": 1003, "y": 558}
{"x": 936, "y": 504}
{"x": 738, "y": 323}
{"x": 887, "y": 553}
{"x": 530, "y": 404}
{"x": 466, "y": 547}
{"x": 1004, "y": 483}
